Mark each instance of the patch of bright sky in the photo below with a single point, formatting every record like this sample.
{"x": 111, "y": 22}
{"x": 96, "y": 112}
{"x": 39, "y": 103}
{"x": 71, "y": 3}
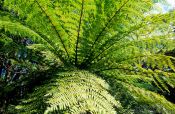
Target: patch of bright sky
{"x": 163, "y": 7}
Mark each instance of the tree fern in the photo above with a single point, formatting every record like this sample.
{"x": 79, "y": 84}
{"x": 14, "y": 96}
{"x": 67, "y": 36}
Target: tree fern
{"x": 120, "y": 41}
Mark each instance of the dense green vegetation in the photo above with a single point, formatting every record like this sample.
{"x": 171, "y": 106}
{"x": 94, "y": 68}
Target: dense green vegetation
{"x": 86, "y": 57}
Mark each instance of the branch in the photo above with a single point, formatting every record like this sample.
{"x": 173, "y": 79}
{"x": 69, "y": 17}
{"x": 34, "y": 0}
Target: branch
{"x": 89, "y": 61}
{"x": 78, "y": 36}
{"x": 53, "y": 27}
{"x": 106, "y": 25}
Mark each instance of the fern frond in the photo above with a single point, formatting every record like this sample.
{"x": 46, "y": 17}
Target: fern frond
{"x": 73, "y": 92}
{"x": 45, "y": 23}
{"x": 157, "y": 102}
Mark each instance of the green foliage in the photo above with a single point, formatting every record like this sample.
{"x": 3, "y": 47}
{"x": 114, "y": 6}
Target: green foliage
{"x": 142, "y": 95}
{"x": 117, "y": 40}
{"x": 71, "y": 92}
